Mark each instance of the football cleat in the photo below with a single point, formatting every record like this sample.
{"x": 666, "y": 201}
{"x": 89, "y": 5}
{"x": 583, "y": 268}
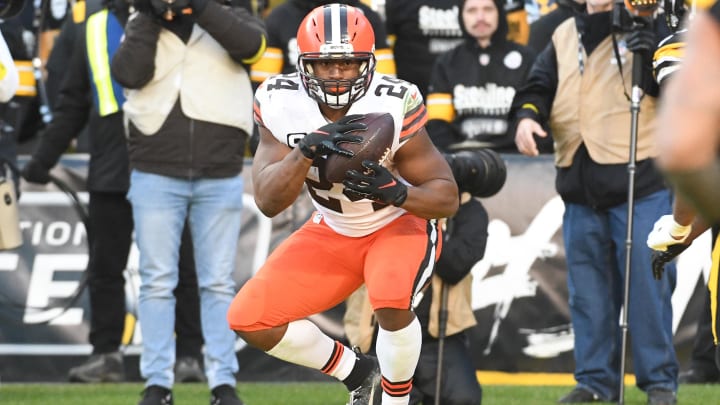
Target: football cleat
{"x": 370, "y": 391}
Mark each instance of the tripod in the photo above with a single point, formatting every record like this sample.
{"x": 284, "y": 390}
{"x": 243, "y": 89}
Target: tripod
{"x": 636, "y": 96}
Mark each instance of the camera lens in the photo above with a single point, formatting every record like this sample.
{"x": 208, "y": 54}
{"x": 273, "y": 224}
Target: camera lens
{"x": 480, "y": 172}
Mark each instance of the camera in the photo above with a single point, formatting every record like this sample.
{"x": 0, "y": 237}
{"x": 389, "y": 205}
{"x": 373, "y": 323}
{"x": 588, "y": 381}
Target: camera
{"x": 168, "y": 9}
{"x": 631, "y": 15}
{"x": 480, "y": 172}
{"x": 11, "y": 8}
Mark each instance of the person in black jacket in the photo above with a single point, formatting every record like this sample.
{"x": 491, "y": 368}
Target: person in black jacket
{"x": 110, "y": 214}
{"x": 420, "y": 30}
{"x": 472, "y": 86}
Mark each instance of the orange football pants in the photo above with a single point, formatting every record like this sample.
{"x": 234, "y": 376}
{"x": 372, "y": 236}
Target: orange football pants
{"x": 316, "y": 269}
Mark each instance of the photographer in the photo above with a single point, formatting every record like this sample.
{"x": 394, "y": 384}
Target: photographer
{"x": 576, "y": 88}
{"x": 184, "y": 65}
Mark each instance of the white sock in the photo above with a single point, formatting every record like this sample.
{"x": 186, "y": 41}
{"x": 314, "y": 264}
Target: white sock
{"x": 398, "y": 353}
{"x": 306, "y": 345}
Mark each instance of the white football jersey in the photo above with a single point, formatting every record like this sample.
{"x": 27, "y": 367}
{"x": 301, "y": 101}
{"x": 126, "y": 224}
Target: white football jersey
{"x": 285, "y": 109}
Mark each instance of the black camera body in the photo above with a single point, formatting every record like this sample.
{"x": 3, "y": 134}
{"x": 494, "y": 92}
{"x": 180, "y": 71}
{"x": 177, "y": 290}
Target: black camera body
{"x": 168, "y": 9}
{"x": 480, "y": 172}
{"x": 632, "y": 15}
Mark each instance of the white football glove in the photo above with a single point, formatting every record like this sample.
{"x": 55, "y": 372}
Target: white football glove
{"x": 666, "y": 232}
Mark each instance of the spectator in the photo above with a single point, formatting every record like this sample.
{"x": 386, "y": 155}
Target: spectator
{"x": 472, "y": 85}
{"x": 376, "y": 228}
{"x": 89, "y": 95}
{"x": 189, "y": 113}
{"x": 419, "y": 30}
{"x": 582, "y": 96}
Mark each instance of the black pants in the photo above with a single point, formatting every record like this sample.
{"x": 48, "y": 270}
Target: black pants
{"x": 703, "y": 353}
{"x": 110, "y": 237}
{"x": 459, "y": 384}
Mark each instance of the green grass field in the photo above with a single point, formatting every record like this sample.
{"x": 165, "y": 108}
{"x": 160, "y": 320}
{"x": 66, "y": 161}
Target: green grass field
{"x": 298, "y": 394}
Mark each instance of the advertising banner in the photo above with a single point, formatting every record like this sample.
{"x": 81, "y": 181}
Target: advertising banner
{"x": 519, "y": 288}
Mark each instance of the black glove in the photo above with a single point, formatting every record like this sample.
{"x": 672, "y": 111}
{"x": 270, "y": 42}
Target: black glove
{"x": 642, "y": 40}
{"x": 377, "y": 184}
{"x": 325, "y": 140}
{"x": 660, "y": 259}
{"x": 35, "y": 172}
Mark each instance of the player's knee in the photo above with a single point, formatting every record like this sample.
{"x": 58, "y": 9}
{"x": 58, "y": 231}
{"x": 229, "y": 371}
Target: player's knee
{"x": 248, "y": 306}
{"x": 392, "y": 319}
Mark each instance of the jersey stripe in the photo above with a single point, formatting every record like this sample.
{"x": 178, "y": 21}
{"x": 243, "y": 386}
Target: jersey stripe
{"x": 257, "y": 113}
{"x": 414, "y": 120}
{"x": 713, "y": 287}
{"x": 336, "y": 14}
{"x": 397, "y": 389}
{"x": 335, "y": 357}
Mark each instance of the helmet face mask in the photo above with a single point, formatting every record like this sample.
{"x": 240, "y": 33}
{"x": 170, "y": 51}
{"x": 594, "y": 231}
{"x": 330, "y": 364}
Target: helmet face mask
{"x": 336, "y": 34}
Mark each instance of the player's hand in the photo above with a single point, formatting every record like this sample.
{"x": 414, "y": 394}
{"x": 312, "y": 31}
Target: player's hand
{"x": 325, "y": 140}
{"x": 666, "y": 232}
{"x": 660, "y": 259}
{"x": 524, "y": 136}
{"x": 35, "y": 172}
{"x": 376, "y": 183}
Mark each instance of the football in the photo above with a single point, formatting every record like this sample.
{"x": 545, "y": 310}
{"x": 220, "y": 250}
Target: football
{"x": 377, "y": 140}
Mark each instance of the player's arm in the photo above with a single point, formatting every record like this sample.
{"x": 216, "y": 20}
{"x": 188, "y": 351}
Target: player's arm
{"x": 434, "y": 193}
{"x": 278, "y": 173}
{"x": 689, "y": 120}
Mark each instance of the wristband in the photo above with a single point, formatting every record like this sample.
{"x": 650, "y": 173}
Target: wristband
{"x": 679, "y": 231}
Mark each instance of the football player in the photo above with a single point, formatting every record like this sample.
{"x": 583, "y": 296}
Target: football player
{"x": 688, "y": 134}
{"x": 378, "y": 227}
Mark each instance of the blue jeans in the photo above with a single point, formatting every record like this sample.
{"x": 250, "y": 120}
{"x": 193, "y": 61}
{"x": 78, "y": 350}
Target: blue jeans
{"x": 595, "y": 250}
{"x": 213, "y": 208}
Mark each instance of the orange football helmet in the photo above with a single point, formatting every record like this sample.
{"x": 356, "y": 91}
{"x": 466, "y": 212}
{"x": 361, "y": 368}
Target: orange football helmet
{"x": 336, "y": 31}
